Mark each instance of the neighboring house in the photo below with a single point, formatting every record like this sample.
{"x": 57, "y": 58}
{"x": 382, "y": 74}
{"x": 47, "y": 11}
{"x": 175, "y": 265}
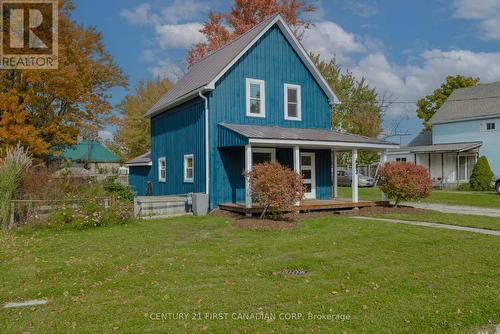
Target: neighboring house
{"x": 466, "y": 126}
{"x": 259, "y": 98}
{"x": 92, "y": 155}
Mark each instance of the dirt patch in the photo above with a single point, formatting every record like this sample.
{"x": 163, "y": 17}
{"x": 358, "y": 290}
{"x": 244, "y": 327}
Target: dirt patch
{"x": 380, "y": 210}
{"x": 264, "y": 224}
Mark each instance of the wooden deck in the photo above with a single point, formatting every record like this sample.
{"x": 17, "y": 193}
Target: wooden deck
{"x": 308, "y": 205}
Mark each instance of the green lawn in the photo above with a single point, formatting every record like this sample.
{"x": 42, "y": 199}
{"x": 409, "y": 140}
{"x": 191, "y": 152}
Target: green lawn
{"x": 480, "y": 199}
{"x": 489, "y": 223}
{"x": 383, "y": 277}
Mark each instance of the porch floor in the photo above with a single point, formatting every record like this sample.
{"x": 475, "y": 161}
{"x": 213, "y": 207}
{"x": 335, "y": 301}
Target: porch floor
{"x": 307, "y": 205}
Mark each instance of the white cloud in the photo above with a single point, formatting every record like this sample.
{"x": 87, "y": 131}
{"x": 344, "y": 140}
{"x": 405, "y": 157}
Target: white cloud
{"x": 179, "y": 35}
{"x": 166, "y": 69}
{"x": 329, "y": 39}
{"x": 360, "y": 8}
{"x": 485, "y": 12}
{"x": 411, "y": 82}
{"x": 140, "y": 15}
{"x": 180, "y": 10}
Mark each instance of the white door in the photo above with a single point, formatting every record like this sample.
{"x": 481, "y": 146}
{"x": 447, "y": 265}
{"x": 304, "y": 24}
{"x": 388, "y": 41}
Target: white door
{"x": 308, "y": 171}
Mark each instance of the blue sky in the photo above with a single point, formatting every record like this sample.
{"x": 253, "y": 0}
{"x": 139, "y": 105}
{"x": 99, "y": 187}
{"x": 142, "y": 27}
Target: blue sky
{"x": 403, "y": 48}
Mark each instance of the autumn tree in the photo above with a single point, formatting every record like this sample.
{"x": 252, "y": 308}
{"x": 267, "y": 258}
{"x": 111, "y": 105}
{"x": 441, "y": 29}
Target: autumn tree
{"x": 221, "y": 28}
{"x": 46, "y": 110}
{"x": 132, "y": 137}
{"x": 429, "y": 105}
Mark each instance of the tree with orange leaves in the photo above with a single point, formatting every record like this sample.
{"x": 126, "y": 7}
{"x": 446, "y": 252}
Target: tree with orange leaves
{"x": 244, "y": 15}
{"x": 45, "y": 110}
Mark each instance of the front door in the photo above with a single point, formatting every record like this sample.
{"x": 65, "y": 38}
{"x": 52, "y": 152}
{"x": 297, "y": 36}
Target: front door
{"x": 308, "y": 171}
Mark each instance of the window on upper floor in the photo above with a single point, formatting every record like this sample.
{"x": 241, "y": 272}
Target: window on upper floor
{"x": 293, "y": 110}
{"x": 189, "y": 168}
{"x": 256, "y": 98}
{"x": 490, "y": 126}
{"x": 162, "y": 169}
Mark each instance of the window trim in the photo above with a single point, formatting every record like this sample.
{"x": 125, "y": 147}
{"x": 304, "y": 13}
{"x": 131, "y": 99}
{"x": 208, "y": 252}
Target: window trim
{"x": 299, "y": 102}
{"x": 186, "y": 179}
{"x": 269, "y": 150}
{"x": 262, "y": 84}
{"x": 160, "y": 160}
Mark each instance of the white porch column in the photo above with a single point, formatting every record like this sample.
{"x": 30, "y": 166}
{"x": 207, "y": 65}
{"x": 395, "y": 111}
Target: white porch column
{"x": 383, "y": 160}
{"x": 248, "y": 168}
{"x": 296, "y": 159}
{"x": 354, "y": 173}
{"x": 335, "y": 192}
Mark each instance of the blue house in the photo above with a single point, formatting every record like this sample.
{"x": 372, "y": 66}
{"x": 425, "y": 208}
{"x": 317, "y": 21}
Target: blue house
{"x": 259, "y": 98}
{"x": 465, "y": 127}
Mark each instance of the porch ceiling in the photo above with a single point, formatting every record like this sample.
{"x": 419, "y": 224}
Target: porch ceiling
{"x": 238, "y": 135}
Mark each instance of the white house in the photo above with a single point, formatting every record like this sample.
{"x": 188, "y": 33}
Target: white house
{"x": 465, "y": 127}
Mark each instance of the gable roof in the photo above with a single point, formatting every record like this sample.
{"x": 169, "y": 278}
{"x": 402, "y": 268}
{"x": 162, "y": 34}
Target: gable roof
{"x": 204, "y": 74}
{"x": 422, "y": 139}
{"x": 481, "y": 101}
{"x": 89, "y": 151}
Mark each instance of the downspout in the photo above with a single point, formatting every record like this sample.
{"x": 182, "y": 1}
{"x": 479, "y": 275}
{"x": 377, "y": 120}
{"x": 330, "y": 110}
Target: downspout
{"x": 207, "y": 147}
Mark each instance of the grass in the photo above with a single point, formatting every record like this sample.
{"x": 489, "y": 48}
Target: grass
{"x": 384, "y": 277}
{"x": 481, "y": 199}
{"x": 489, "y": 223}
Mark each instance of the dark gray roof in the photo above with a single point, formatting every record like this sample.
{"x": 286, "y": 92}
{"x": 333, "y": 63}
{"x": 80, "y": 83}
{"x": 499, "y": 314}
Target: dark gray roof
{"x": 203, "y": 74}
{"x": 204, "y": 71}
{"x": 281, "y": 133}
{"x": 423, "y": 138}
{"x": 481, "y": 101}
{"x": 142, "y": 160}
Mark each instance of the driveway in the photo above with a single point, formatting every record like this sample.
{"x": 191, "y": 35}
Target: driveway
{"x": 465, "y": 210}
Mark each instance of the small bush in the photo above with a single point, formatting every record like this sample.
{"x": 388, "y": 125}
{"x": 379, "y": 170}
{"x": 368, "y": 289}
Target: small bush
{"x": 481, "y": 176}
{"x": 118, "y": 190}
{"x": 277, "y": 188}
{"x": 464, "y": 187}
{"x": 403, "y": 181}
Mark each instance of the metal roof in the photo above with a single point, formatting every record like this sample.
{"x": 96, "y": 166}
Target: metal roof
{"x": 142, "y": 160}
{"x": 299, "y": 134}
{"x": 203, "y": 75}
{"x": 481, "y": 101}
{"x": 89, "y": 151}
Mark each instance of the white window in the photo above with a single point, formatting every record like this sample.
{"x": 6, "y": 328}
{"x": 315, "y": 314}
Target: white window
{"x": 256, "y": 98}
{"x": 292, "y": 103}
{"x": 162, "y": 169}
{"x": 490, "y": 126}
{"x": 188, "y": 168}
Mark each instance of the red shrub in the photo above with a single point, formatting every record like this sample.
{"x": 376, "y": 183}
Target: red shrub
{"x": 402, "y": 181}
{"x": 277, "y": 188}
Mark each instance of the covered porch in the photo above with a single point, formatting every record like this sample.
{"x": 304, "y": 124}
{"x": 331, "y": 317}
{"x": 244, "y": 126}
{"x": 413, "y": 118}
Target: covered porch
{"x": 309, "y": 152}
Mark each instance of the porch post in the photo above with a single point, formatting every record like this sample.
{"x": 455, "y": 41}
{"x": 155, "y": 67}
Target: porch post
{"x": 296, "y": 159}
{"x": 383, "y": 160}
{"x": 354, "y": 173}
{"x": 248, "y": 168}
{"x": 335, "y": 193}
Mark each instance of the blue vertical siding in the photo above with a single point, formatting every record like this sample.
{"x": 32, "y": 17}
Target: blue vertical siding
{"x": 175, "y": 133}
{"x": 138, "y": 179}
{"x": 273, "y": 60}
